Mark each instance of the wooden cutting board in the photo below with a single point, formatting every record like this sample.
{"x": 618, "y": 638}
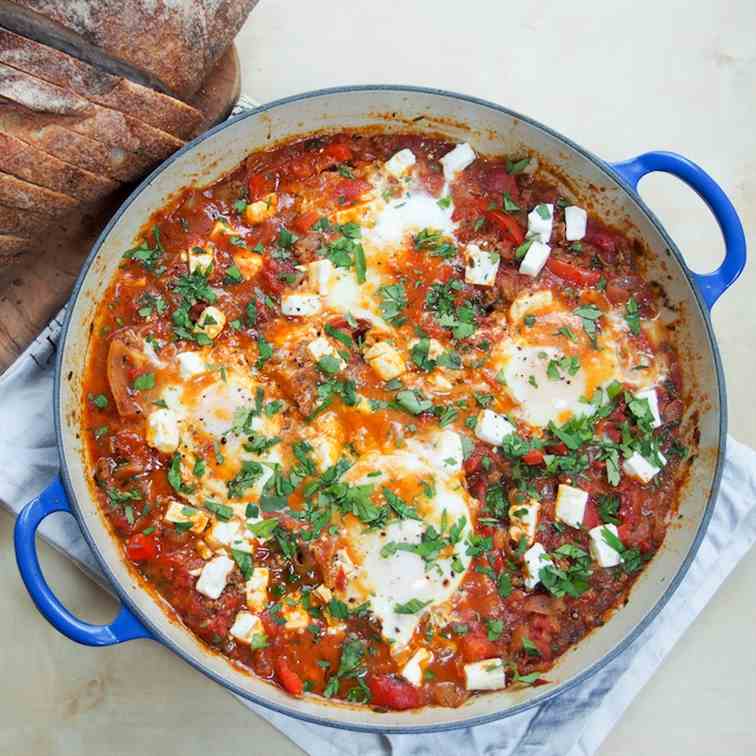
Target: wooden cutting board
{"x": 38, "y": 285}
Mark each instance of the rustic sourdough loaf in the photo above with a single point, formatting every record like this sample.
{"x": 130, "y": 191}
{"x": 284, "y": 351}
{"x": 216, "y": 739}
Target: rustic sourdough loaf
{"x": 159, "y": 110}
{"x": 11, "y": 246}
{"x": 31, "y": 164}
{"x": 163, "y": 44}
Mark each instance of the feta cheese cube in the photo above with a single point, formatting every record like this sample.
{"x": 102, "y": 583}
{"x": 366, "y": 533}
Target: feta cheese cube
{"x": 203, "y": 549}
{"x": 570, "y": 505}
{"x": 322, "y": 593}
{"x": 319, "y": 274}
{"x": 488, "y": 674}
{"x": 530, "y": 302}
{"x": 163, "y": 430}
{"x": 320, "y": 348}
{"x": 540, "y": 222}
{"x": 653, "y": 404}
{"x": 190, "y": 364}
{"x": 492, "y": 427}
{"x": 576, "y": 222}
{"x": 246, "y": 625}
{"x": 446, "y": 452}
{"x": 523, "y": 520}
{"x": 222, "y": 533}
{"x": 249, "y": 263}
{"x": 457, "y": 160}
{"x": 535, "y": 559}
{"x": 600, "y": 550}
{"x": 535, "y": 258}
{"x": 481, "y": 266}
{"x": 210, "y": 322}
{"x": 344, "y": 564}
{"x": 300, "y": 305}
{"x": 637, "y": 466}
{"x": 200, "y": 259}
{"x": 296, "y": 617}
{"x": 257, "y": 212}
{"x": 256, "y": 589}
{"x": 212, "y": 579}
{"x": 413, "y": 670}
{"x": 385, "y": 360}
{"x": 179, "y": 514}
{"x": 400, "y": 163}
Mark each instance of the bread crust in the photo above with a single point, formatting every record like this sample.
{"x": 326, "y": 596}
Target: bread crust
{"x": 15, "y": 192}
{"x": 151, "y": 107}
{"x": 117, "y": 36}
{"x": 20, "y": 222}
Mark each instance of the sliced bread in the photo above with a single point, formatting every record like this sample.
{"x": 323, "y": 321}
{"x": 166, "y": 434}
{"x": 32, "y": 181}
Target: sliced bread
{"x": 103, "y": 124}
{"x": 154, "y": 108}
{"x": 15, "y": 192}
{"x": 51, "y": 135}
{"x": 31, "y": 164}
{"x": 11, "y": 246}
{"x": 21, "y": 222}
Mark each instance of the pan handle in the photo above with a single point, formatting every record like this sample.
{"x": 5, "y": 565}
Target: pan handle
{"x": 124, "y": 627}
{"x": 711, "y": 285}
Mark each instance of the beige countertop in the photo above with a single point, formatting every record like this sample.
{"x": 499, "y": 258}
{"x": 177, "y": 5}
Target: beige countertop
{"x": 617, "y": 77}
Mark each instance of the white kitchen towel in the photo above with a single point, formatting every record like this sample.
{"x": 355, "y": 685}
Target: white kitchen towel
{"x": 573, "y": 724}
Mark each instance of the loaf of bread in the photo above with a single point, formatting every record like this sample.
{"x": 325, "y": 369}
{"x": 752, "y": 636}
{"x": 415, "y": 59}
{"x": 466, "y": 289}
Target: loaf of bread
{"x": 89, "y": 102}
{"x": 164, "y": 44}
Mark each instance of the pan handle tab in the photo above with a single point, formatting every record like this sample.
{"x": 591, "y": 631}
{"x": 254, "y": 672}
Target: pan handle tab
{"x": 710, "y": 285}
{"x": 124, "y": 627}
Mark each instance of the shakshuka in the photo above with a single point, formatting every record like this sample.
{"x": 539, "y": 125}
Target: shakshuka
{"x": 385, "y": 420}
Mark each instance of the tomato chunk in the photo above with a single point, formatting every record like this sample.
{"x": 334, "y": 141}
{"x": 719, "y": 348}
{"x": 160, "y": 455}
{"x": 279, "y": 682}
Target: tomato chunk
{"x": 340, "y": 152}
{"x": 302, "y": 223}
{"x": 533, "y": 457}
{"x": 259, "y": 186}
{"x": 477, "y": 647}
{"x": 394, "y": 693}
{"x": 506, "y": 223}
{"x": 141, "y": 547}
{"x": 290, "y": 680}
{"x": 572, "y": 273}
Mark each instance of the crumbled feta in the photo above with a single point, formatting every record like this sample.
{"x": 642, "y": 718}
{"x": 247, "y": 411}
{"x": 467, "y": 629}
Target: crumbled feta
{"x": 540, "y": 222}
{"x": 190, "y": 364}
{"x": 200, "y": 259}
{"x": 246, "y": 625}
{"x": 524, "y": 520}
{"x": 492, "y": 427}
{"x": 257, "y": 212}
{"x": 385, "y": 360}
{"x": 534, "y": 559}
{"x": 295, "y": 616}
{"x": 163, "y": 430}
{"x": 570, "y": 505}
{"x": 601, "y": 551}
{"x": 319, "y": 273}
{"x": 446, "y": 451}
{"x": 212, "y": 579}
{"x": 211, "y": 322}
{"x": 400, "y": 163}
{"x": 321, "y": 347}
{"x": 300, "y": 305}
{"x": 530, "y": 302}
{"x": 637, "y": 466}
{"x": 179, "y": 514}
{"x": 576, "y": 222}
{"x": 481, "y": 266}
{"x": 653, "y": 404}
{"x": 256, "y": 589}
{"x": 222, "y": 533}
{"x": 488, "y": 674}
{"x": 412, "y": 671}
{"x": 457, "y": 160}
{"x": 535, "y": 258}
{"x": 322, "y": 593}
